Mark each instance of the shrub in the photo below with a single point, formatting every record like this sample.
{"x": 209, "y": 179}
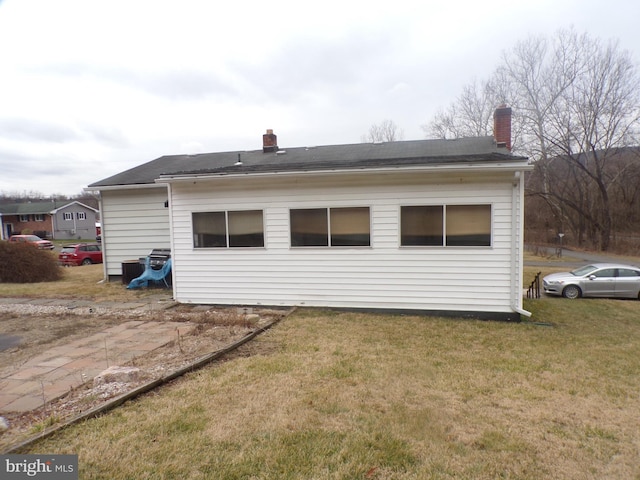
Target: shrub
{"x": 22, "y": 263}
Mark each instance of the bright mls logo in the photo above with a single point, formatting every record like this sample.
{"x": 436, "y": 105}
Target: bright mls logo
{"x": 51, "y": 467}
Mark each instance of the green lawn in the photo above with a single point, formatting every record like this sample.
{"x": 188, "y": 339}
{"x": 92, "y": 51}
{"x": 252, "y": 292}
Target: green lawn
{"x": 327, "y": 395}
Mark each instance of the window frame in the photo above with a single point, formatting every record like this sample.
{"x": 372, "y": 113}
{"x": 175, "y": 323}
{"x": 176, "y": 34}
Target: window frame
{"x": 331, "y": 236}
{"x": 81, "y": 215}
{"x": 441, "y": 235}
{"x": 444, "y": 234}
{"x": 228, "y": 236}
{"x": 67, "y": 216}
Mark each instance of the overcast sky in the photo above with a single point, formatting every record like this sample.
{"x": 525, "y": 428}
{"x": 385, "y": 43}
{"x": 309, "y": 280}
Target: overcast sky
{"x": 90, "y": 88}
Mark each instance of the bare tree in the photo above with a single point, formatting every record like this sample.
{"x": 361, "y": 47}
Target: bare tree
{"x": 469, "y": 116}
{"x": 576, "y": 102}
{"x": 385, "y": 131}
{"x": 538, "y": 70}
{"x": 591, "y": 114}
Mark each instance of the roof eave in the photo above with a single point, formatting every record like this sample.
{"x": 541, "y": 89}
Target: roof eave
{"x": 466, "y": 168}
{"x": 132, "y": 186}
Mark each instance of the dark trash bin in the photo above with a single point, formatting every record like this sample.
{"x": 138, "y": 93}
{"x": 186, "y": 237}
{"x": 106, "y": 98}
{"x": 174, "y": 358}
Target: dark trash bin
{"x": 131, "y": 269}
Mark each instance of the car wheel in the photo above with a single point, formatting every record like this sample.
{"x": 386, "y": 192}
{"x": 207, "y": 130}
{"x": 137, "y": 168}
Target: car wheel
{"x": 87, "y": 261}
{"x": 571, "y": 291}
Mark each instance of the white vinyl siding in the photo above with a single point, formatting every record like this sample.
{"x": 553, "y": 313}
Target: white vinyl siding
{"x": 133, "y": 223}
{"x": 385, "y": 276}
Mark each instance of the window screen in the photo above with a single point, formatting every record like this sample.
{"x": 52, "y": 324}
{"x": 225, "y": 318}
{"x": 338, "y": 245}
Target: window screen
{"x": 421, "y": 225}
{"x": 309, "y": 227}
{"x": 465, "y": 225}
{"x": 350, "y": 227}
{"x": 246, "y": 229}
{"x": 468, "y": 225}
{"x": 209, "y": 229}
{"x": 336, "y": 227}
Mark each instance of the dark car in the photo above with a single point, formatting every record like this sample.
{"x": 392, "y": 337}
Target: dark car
{"x": 80, "y": 254}
{"x": 595, "y": 280}
{"x": 32, "y": 240}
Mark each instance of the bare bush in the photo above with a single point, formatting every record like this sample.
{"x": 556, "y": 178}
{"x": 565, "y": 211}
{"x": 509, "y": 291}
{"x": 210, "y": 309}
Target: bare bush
{"x": 21, "y": 263}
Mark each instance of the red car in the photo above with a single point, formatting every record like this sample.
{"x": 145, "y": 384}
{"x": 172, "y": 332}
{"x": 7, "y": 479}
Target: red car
{"x": 80, "y": 254}
{"x": 33, "y": 240}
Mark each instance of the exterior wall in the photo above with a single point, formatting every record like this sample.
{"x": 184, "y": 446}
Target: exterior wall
{"x": 43, "y": 227}
{"x": 74, "y": 228}
{"x": 383, "y": 276}
{"x": 133, "y": 223}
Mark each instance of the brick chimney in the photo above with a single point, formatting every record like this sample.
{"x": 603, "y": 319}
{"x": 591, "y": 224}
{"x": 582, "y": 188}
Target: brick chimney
{"x": 502, "y": 126}
{"x": 269, "y": 142}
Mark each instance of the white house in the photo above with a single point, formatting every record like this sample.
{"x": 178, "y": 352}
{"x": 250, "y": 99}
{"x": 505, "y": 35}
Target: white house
{"x": 415, "y": 226}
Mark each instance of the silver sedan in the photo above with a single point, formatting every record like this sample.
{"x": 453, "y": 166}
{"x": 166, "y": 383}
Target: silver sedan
{"x": 595, "y": 280}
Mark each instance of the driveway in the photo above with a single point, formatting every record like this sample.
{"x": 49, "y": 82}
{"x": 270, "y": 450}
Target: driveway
{"x": 575, "y": 258}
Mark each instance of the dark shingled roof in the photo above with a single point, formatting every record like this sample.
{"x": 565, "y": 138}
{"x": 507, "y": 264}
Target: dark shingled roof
{"x": 27, "y": 208}
{"x": 331, "y": 157}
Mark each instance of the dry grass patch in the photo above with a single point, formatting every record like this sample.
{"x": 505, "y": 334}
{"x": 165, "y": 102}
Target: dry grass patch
{"x": 83, "y": 282}
{"x": 347, "y": 395}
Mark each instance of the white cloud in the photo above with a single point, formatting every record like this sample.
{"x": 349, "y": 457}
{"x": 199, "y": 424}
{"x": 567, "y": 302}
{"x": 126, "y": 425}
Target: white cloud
{"x": 89, "y": 89}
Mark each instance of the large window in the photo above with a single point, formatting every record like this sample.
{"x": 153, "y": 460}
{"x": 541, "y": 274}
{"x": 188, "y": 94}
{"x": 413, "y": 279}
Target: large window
{"x": 445, "y": 225}
{"x": 228, "y": 229}
{"x": 330, "y": 227}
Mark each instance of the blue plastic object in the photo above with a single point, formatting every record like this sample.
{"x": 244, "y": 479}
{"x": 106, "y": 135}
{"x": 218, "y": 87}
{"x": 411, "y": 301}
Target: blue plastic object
{"x": 151, "y": 274}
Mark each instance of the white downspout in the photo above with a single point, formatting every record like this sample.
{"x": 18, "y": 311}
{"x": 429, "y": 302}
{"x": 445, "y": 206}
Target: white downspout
{"x": 174, "y": 283}
{"x": 517, "y": 197}
{"x": 103, "y": 243}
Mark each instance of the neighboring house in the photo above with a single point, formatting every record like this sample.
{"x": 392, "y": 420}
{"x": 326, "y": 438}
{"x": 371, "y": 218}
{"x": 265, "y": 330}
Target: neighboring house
{"x": 429, "y": 225}
{"x": 52, "y": 220}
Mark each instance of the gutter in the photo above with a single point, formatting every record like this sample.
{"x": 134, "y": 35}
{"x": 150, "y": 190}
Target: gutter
{"x": 134, "y": 186}
{"x": 466, "y": 168}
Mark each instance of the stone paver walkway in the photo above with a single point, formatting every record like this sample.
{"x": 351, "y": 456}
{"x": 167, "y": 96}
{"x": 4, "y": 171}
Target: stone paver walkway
{"x": 57, "y": 370}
